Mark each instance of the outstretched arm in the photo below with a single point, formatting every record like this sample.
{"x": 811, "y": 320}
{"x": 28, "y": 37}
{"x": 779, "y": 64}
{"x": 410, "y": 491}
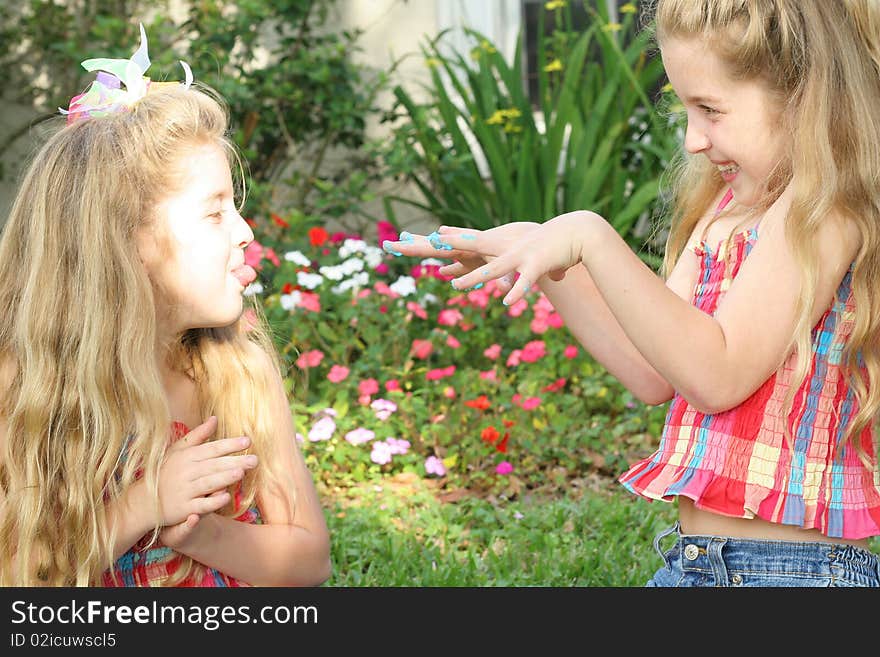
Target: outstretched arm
{"x": 575, "y": 297}
{"x": 715, "y": 362}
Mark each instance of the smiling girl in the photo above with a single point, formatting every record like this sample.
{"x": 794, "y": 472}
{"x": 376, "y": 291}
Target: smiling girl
{"x": 763, "y": 333}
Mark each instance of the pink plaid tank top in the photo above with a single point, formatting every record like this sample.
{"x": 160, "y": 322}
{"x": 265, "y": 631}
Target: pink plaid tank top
{"x": 150, "y": 566}
{"x": 738, "y": 462}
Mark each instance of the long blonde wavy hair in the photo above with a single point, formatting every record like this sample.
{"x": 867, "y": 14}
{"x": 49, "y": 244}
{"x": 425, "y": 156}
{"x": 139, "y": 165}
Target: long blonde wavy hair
{"x": 79, "y": 343}
{"x": 820, "y": 60}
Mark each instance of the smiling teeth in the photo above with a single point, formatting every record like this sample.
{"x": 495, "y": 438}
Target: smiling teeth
{"x": 729, "y": 168}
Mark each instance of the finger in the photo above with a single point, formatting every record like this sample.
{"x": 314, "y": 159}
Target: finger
{"x": 222, "y": 463}
{"x": 522, "y": 285}
{"x": 216, "y": 481}
{"x": 500, "y": 266}
{"x": 450, "y": 245}
{"x": 505, "y": 283}
{"x": 201, "y": 433}
{"x": 212, "y": 503}
{"x": 217, "y": 448}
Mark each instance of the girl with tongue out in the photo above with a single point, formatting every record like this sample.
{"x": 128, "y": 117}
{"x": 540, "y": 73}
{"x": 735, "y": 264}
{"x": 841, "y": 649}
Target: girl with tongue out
{"x": 145, "y": 434}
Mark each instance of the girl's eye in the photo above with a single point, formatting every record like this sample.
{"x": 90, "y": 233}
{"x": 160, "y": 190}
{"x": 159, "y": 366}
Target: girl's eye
{"x": 708, "y": 110}
{"x": 217, "y": 216}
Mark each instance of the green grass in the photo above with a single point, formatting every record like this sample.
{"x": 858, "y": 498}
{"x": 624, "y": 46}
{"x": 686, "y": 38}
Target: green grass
{"x": 400, "y": 534}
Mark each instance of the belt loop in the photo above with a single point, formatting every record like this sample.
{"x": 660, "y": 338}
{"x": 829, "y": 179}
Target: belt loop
{"x": 716, "y": 560}
{"x": 659, "y": 537}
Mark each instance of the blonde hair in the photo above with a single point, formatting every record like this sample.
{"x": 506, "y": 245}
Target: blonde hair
{"x": 86, "y": 407}
{"x": 821, "y": 62}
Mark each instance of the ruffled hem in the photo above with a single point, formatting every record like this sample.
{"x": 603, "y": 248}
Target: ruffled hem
{"x": 717, "y": 494}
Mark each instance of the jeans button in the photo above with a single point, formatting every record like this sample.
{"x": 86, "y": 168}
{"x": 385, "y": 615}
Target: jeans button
{"x": 737, "y": 579}
{"x": 691, "y": 551}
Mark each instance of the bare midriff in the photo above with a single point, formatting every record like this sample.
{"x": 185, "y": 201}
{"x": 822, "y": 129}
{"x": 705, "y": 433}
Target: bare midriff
{"x": 705, "y": 523}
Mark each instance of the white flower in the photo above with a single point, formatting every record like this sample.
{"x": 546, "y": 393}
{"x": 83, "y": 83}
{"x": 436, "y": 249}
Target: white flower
{"x": 290, "y": 301}
{"x": 252, "y": 289}
{"x": 429, "y": 299}
{"x": 374, "y": 256}
{"x": 356, "y": 281}
{"x": 432, "y": 261}
{"x": 333, "y": 273}
{"x": 352, "y": 265}
{"x": 298, "y": 258}
{"x": 404, "y": 286}
{"x": 350, "y": 246}
{"x": 307, "y": 280}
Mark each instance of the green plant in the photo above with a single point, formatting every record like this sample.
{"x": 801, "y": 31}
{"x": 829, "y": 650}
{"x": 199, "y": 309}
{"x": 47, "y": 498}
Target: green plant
{"x": 480, "y": 156}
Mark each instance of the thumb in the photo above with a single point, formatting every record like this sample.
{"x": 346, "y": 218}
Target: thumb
{"x": 201, "y": 433}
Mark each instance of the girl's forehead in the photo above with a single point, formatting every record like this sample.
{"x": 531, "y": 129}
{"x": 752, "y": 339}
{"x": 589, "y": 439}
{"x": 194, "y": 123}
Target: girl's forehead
{"x": 693, "y": 68}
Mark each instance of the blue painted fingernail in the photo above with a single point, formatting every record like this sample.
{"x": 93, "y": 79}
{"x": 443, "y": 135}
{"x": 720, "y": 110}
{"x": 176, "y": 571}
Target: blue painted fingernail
{"x": 526, "y": 288}
{"x": 478, "y": 286}
{"x": 485, "y": 272}
{"x": 452, "y": 282}
{"x": 406, "y": 237}
{"x": 504, "y": 301}
{"x": 386, "y": 246}
{"x": 438, "y": 243}
{"x": 468, "y": 237}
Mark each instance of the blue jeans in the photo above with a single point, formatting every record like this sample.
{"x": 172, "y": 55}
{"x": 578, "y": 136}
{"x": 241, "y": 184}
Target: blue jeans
{"x": 725, "y": 561}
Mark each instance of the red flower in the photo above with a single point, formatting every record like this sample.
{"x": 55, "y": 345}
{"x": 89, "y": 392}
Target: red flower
{"x": 287, "y": 289}
{"x": 318, "y": 236}
{"x": 480, "y": 403}
{"x": 251, "y": 223}
{"x": 558, "y": 384}
{"x": 278, "y": 221}
{"x": 502, "y": 444}
{"x": 489, "y": 434}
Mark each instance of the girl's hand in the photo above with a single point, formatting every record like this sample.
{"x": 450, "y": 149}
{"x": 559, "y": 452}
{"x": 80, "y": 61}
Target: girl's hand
{"x": 195, "y": 474}
{"x": 472, "y": 250}
{"x": 176, "y": 536}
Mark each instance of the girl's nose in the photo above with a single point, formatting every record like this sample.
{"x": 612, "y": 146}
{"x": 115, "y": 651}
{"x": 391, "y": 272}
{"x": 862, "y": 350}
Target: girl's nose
{"x": 695, "y": 139}
{"x": 242, "y": 234}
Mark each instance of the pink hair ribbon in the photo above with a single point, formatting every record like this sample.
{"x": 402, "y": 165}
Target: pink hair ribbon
{"x": 106, "y": 95}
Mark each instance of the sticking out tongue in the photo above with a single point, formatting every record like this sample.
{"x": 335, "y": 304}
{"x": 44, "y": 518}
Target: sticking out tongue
{"x": 245, "y": 275}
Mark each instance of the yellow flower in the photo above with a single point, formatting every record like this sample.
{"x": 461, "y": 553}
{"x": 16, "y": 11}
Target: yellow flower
{"x": 432, "y": 62}
{"x": 666, "y": 88}
{"x": 554, "y": 4}
{"x": 512, "y": 113}
{"x": 628, "y": 8}
{"x": 475, "y": 54}
{"x": 512, "y": 127}
{"x": 555, "y": 65}
{"x": 612, "y": 27}
{"x": 488, "y": 47}
{"x": 497, "y": 118}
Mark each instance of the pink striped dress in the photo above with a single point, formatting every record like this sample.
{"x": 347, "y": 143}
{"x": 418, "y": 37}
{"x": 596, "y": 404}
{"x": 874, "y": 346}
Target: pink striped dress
{"x": 738, "y": 463}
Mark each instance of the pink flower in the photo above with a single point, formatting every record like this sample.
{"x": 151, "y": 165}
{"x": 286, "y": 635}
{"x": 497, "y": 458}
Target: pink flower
{"x": 392, "y": 384}
{"x": 364, "y": 400}
{"x": 518, "y": 308}
{"x": 425, "y": 270}
{"x": 364, "y": 293}
{"x": 381, "y": 268}
{"x": 434, "y": 466}
{"x": 383, "y": 288}
{"x": 322, "y": 429}
{"x": 531, "y": 403}
{"x": 381, "y": 453}
{"x": 383, "y": 408}
{"x": 440, "y": 373}
{"x": 421, "y": 349}
{"x": 386, "y": 231}
{"x": 310, "y": 301}
{"x": 449, "y": 317}
{"x": 479, "y": 298}
{"x": 449, "y": 392}
{"x": 309, "y": 359}
{"x": 338, "y": 373}
{"x": 270, "y": 255}
{"x": 397, "y": 445}
{"x": 489, "y": 375}
{"x": 514, "y": 358}
{"x": 571, "y": 351}
{"x": 504, "y": 468}
{"x": 359, "y": 436}
{"x": 416, "y": 309}
{"x": 534, "y": 350}
{"x": 493, "y": 352}
{"x": 453, "y": 342}
{"x": 368, "y": 387}
{"x": 253, "y": 255}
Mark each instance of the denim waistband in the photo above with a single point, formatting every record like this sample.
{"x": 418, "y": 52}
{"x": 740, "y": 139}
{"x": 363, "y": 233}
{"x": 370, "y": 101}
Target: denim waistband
{"x": 730, "y": 558}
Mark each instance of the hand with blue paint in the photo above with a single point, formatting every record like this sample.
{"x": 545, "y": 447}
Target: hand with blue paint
{"x": 470, "y": 250}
